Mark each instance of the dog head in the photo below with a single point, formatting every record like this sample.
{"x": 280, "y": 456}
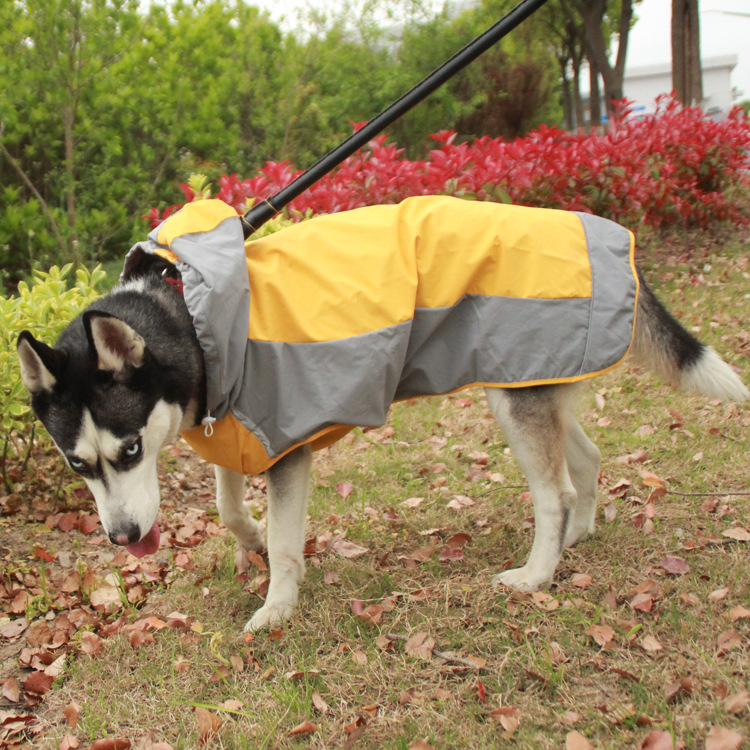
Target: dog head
{"x": 100, "y": 394}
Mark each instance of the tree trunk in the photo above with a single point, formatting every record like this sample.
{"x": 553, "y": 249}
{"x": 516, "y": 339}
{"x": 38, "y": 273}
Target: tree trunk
{"x": 687, "y": 77}
{"x": 592, "y": 13}
{"x": 595, "y": 100}
{"x": 567, "y": 94}
{"x": 577, "y": 100}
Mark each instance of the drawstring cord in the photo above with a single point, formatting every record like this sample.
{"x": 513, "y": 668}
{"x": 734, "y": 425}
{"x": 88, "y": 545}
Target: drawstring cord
{"x": 208, "y": 423}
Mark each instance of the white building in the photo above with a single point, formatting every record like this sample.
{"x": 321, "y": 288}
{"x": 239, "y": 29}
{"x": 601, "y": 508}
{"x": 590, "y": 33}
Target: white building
{"x": 725, "y": 30}
{"x": 643, "y": 84}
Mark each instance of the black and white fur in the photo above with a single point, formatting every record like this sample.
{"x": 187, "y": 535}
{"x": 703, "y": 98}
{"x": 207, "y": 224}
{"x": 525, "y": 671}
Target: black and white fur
{"x": 127, "y": 376}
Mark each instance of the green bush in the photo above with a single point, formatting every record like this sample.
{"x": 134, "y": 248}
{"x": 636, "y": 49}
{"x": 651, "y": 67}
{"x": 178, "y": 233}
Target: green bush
{"x": 25, "y": 238}
{"x": 43, "y": 307}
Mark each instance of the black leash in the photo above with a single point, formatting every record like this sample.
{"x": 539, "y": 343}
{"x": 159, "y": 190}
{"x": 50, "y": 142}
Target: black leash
{"x": 267, "y": 209}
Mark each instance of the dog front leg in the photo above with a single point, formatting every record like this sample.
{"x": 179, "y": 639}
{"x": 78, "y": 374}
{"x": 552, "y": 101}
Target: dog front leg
{"x": 288, "y": 487}
{"x": 230, "y": 502}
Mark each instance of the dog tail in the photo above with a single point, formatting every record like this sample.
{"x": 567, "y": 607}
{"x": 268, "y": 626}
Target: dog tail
{"x": 662, "y": 345}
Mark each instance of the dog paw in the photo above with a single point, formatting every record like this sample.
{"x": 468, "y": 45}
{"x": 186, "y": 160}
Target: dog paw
{"x": 253, "y": 540}
{"x": 269, "y": 617}
{"x": 249, "y": 535}
{"x": 521, "y": 579}
{"x": 577, "y": 534}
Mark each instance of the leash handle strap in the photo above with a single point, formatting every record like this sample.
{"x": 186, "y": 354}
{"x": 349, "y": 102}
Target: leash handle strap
{"x": 267, "y": 209}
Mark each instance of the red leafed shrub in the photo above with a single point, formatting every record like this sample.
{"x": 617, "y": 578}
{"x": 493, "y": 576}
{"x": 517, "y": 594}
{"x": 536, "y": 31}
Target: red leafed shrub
{"x": 675, "y": 168}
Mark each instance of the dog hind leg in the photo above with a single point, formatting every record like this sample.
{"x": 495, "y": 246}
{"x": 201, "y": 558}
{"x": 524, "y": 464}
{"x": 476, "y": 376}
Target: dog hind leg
{"x": 533, "y": 421}
{"x": 288, "y": 488}
{"x": 584, "y": 460}
{"x": 230, "y": 495}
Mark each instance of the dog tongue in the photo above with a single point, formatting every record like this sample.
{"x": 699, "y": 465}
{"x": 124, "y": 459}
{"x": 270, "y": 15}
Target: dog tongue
{"x": 148, "y": 545}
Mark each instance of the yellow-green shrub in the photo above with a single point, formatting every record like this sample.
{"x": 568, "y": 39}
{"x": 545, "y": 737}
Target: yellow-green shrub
{"x": 44, "y": 307}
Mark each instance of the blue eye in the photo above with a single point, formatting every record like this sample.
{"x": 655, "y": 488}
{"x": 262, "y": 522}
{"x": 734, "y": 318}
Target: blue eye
{"x": 133, "y": 451}
{"x": 76, "y": 464}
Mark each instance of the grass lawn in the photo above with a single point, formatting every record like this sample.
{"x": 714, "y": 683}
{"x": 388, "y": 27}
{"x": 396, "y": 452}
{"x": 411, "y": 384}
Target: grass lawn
{"x": 400, "y": 641}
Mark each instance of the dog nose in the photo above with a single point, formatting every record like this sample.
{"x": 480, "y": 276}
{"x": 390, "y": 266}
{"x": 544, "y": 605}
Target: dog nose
{"x": 130, "y": 536}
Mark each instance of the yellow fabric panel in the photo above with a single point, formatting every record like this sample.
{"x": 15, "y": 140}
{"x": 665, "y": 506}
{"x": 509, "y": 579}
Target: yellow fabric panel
{"x": 477, "y": 247}
{"x": 320, "y": 270}
{"x": 236, "y": 448}
{"x": 168, "y": 255}
{"x": 385, "y": 261}
{"x": 203, "y": 216}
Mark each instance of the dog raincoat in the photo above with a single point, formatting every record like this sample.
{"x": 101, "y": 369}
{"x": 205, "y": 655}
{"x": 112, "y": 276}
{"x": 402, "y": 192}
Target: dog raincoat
{"x": 321, "y": 326}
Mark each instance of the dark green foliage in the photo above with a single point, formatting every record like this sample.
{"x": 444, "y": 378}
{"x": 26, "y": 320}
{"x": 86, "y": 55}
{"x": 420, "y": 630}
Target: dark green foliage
{"x": 106, "y": 104}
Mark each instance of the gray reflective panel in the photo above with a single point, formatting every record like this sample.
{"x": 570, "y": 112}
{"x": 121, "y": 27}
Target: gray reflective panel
{"x": 293, "y": 391}
{"x": 500, "y": 340}
{"x": 613, "y": 291}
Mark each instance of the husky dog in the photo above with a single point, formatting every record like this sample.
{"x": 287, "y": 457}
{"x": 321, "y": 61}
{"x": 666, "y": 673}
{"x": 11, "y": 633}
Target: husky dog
{"x": 128, "y": 375}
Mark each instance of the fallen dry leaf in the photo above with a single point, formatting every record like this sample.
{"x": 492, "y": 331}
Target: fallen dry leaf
{"x": 87, "y": 524}
{"x": 109, "y": 743}
{"x": 739, "y": 613}
{"x": 232, "y": 704}
{"x": 509, "y": 718}
{"x": 347, "y": 549}
{"x": 451, "y": 554}
{"x": 11, "y": 690}
{"x": 257, "y": 560}
{"x": 319, "y": 704}
{"x": 460, "y": 502}
{"x": 738, "y": 533}
{"x": 650, "y": 479}
{"x": 719, "y": 738}
{"x": 576, "y": 741}
{"x": 344, "y": 489}
{"x": 481, "y": 693}
{"x": 14, "y": 628}
{"x": 106, "y": 595}
{"x": 38, "y": 634}
{"x": 306, "y": 727}
{"x": 642, "y": 602}
{"x": 556, "y": 653}
{"x": 360, "y": 657}
{"x": 728, "y": 641}
{"x": 676, "y": 566}
{"x": 208, "y": 723}
{"x": 737, "y": 703}
{"x": 91, "y": 644}
{"x": 603, "y": 635}
{"x": 569, "y": 718}
{"x": 458, "y": 540}
{"x": 581, "y": 580}
{"x": 420, "y": 745}
{"x": 38, "y": 683}
{"x": 147, "y": 744}
{"x": 138, "y": 638}
{"x": 657, "y": 740}
{"x": 71, "y": 713}
{"x": 420, "y": 645}
{"x": 684, "y": 687}
{"x": 413, "y": 502}
{"x": 620, "y": 488}
{"x": 610, "y": 511}
{"x": 650, "y": 644}
{"x": 372, "y": 613}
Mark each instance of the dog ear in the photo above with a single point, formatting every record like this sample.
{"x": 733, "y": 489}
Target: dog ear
{"x": 117, "y": 346}
{"x": 40, "y": 364}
